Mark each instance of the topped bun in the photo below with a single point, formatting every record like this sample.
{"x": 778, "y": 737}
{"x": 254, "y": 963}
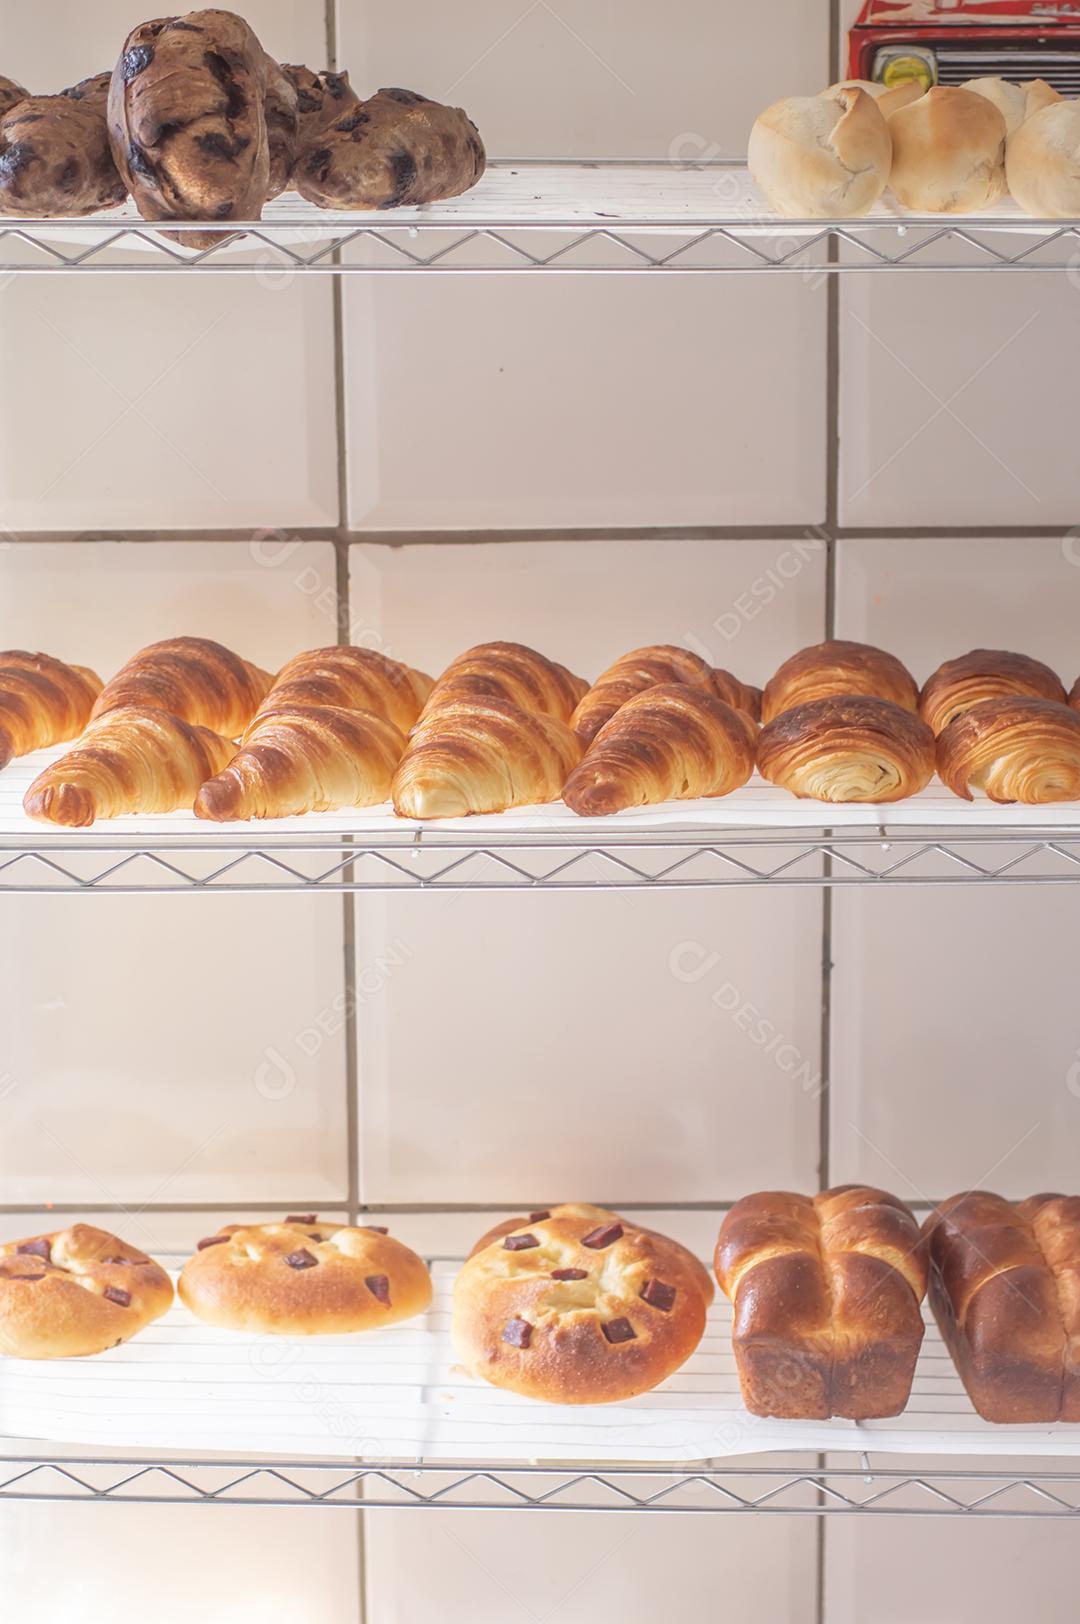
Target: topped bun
{"x": 1043, "y": 162}
{"x": 948, "y": 152}
{"x": 822, "y": 157}
{"x": 1015, "y": 103}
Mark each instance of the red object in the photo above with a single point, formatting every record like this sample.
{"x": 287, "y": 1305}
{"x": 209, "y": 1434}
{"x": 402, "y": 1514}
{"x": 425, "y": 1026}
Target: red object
{"x": 1009, "y": 32}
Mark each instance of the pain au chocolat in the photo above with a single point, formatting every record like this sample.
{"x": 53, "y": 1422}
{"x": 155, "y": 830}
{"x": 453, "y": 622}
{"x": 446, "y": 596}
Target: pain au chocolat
{"x": 984, "y": 673}
{"x": 838, "y": 667}
{"x": 1013, "y": 749}
{"x": 577, "y": 1305}
{"x": 848, "y": 748}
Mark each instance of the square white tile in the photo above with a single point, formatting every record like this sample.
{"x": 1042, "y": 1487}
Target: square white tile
{"x": 659, "y": 1047}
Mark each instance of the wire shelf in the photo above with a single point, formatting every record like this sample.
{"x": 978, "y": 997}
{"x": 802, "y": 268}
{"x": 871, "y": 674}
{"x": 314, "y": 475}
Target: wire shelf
{"x": 601, "y": 217}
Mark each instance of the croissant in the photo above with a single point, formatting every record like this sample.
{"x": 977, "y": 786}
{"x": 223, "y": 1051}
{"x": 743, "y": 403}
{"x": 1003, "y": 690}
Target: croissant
{"x": 838, "y": 667}
{"x": 42, "y": 702}
{"x": 1074, "y": 695}
{"x": 192, "y": 678}
{"x": 305, "y": 758}
{"x": 482, "y": 755}
{"x": 1019, "y": 749}
{"x": 127, "y": 761}
{"x": 669, "y": 743}
{"x": 985, "y": 673}
{"x": 512, "y": 672}
{"x": 848, "y": 748}
{"x": 352, "y": 678}
{"x": 647, "y": 668}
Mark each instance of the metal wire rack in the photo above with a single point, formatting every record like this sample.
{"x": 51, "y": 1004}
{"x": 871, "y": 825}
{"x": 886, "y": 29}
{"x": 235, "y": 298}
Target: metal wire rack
{"x": 600, "y": 217}
{"x": 814, "y": 1491}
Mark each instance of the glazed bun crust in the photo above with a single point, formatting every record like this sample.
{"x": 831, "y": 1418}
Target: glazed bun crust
{"x": 985, "y": 673}
{"x": 850, "y": 748}
{"x": 822, "y": 157}
{"x": 948, "y": 152}
{"x": 76, "y": 1291}
{"x": 303, "y": 1278}
{"x": 577, "y": 1307}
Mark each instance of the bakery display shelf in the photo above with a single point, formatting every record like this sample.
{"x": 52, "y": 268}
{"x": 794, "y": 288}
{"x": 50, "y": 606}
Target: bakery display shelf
{"x": 598, "y": 217}
{"x": 186, "y": 1414}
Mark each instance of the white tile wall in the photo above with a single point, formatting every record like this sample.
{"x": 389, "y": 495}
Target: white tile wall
{"x": 956, "y": 1008}
{"x": 170, "y": 1049}
{"x": 196, "y": 403}
{"x": 586, "y": 402}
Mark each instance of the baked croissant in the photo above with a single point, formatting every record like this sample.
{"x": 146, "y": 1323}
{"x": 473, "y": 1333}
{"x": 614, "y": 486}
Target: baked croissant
{"x": 482, "y": 755}
{"x": 42, "y": 702}
{"x": 353, "y": 678}
{"x": 647, "y": 668}
{"x": 985, "y": 673}
{"x": 512, "y": 672}
{"x": 396, "y": 148}
{"x": 669, "y": 743}
{"x": 847, "y": 748}
{"x": 190, "y": 677}
{"x": 838, "y": 667}
{"x": 1019, "y": 749}
{"x": 305, "y": 758}
{"x": 128, "y": 761}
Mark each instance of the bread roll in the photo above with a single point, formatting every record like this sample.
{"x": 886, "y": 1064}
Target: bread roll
{"x": 838, "y": 667}
{"x": 826, "y": 1294}
{"x": 821, "y": 157}
{"x": 577, "y": 1306}
{"x": 55, "y": 157}
{"x": 1013, "y": 749}
{"x": 668, "y": 743}
{"x": 76, "y": 1291}
{"x": 1043, "y": 163}
{"x": 849, "y": 748}
{"x": 948, "y": 153}
{"x": 985, "y": 673}
{"x": 888, "y": 98}
{"x": 303, "y": 1278}
{"x": 395, "y": 149}
{"x": 1014, "y": 102}
{"x": 1005, "y": 1290}
{"x": 11, "y": 93}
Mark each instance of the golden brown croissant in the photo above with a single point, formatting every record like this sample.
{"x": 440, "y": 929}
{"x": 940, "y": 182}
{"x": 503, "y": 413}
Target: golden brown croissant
{"x": 42, "y": 702}
{"x": 512, "y": 672}
{"x": 985, "y": 673}
{"x": 847, "y": 748}
{"x": 192, "y": 678}
{"x": 1013, "y": 750}
{"x": 305, "y": 758}
{"x": 838, "y": 667}
{"x": 739, "y": 695}
{"x": 669, "y": 743}
{"x": 647, "y": 668}
{"x": 482, "y": 755}
{"x": 353, "y": 678}
{"x": 127, "y": 761}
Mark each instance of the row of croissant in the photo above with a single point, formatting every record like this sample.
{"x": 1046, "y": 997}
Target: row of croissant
{"x": 575, "y": 1304}
{"x": 188, "y": 723}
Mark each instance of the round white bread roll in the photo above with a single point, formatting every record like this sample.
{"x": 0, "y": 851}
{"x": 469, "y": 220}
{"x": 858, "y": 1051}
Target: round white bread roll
{"x": 821, "y": 157}
{"x": 948, "y": 152}
{"x": 889, "y": 99}
{"x": 1043, "y": 163}
{"x": 1015, "y": 103}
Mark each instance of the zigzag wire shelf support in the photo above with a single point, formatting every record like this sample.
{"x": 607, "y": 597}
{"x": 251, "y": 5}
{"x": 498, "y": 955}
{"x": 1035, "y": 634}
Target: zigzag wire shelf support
{"x": 712, "y": 1489}
{"x": 433, "y": 862}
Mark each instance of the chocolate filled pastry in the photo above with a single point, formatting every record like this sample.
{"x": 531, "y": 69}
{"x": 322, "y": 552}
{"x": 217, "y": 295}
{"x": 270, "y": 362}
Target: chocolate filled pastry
{"x": 320, "y": 99}
{"x": 127, "y": 761}
{"x": 11, "y": 94}
{"x": 826, "y": 1292}
{"x": 1005, "y": 1290}
{"x": 512, "y": 672}
{"x": 1018, "y": 749}
{"x": 848, "y": 748}
{"x": 313, "y": 758}
{"x": 191, "y": 677}
{"x": 397, "y": 148}
{"x": 666, "y": 744}
{"x": 482, "y": 755}
{"x": 985, "y": 673}
{"x": 42, "y": 702}
{"x": 55, "y": 157}
{"x": 577, "y": 1305}
{"x": 303, "y": 1278}
{"x": 355, "y": 679}
{"x": 76, "y": 1291}
{"x": 187, "y": 121}
{"x": 648, "y": 668}
{"x": 838, "y": 667}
